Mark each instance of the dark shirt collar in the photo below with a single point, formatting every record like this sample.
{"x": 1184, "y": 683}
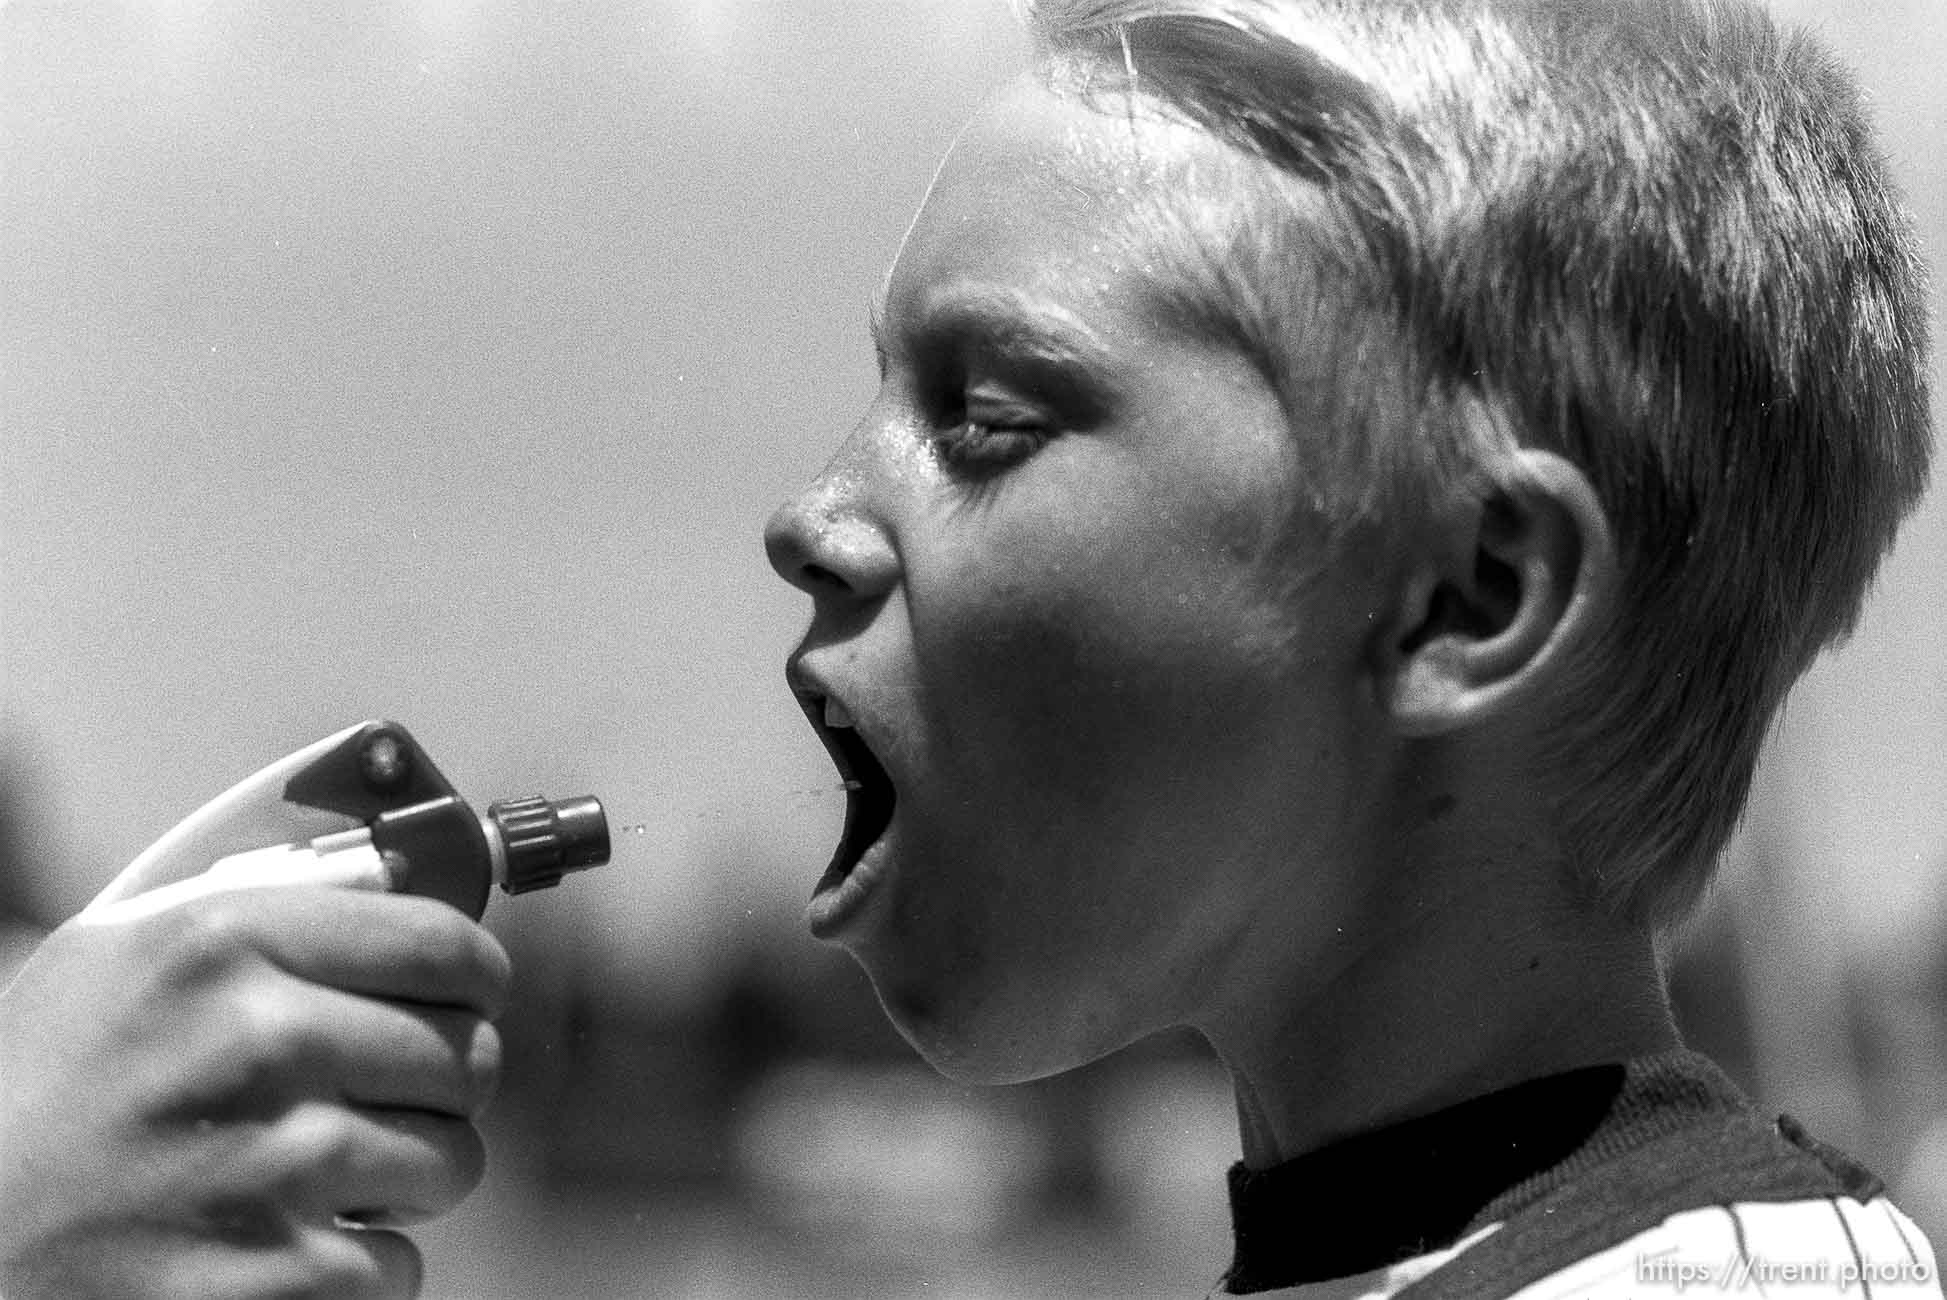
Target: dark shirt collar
{"x": 1421, "y": 1185}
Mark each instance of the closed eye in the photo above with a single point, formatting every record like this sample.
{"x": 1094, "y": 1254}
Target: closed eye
{"x": 976, "y": 450}
{"x": 990, "y": 433}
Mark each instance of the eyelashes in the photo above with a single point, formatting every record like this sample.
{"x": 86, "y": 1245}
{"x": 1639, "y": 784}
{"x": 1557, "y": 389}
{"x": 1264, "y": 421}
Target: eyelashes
{"x": 982, "y": 429}
{"x": 975, "y": 451}
{"x": 977, "y": 448}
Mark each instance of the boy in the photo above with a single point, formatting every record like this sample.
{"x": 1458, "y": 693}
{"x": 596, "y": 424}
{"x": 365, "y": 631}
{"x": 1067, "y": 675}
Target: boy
{"x": 1350, "y": 485}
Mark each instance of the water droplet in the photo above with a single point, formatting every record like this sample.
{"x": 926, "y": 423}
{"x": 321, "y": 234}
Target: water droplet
{"x": 796, "y": 799}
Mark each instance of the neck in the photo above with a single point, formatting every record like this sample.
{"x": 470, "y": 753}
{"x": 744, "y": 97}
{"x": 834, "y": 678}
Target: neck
{"x": 1467, "y": 980}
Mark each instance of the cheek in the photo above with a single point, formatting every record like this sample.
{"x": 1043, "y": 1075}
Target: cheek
{"x": 1103, "y": 684}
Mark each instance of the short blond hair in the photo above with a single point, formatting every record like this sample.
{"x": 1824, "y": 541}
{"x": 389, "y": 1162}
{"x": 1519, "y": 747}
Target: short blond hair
{"x": 1657, "y": 237}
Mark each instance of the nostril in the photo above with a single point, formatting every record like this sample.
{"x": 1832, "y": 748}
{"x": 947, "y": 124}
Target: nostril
{"x": 792, "y": 540}
{"x": 830, "y": 548}
{"x": 821, "y": 576}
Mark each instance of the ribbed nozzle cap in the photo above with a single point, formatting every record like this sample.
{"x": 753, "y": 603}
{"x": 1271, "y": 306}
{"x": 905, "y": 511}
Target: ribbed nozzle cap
{"x": 543, "y": 839}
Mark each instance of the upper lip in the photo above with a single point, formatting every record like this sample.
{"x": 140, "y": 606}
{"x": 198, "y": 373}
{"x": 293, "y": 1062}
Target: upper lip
{"x": 871, "y": 792}
{"x": 812, "y": 693}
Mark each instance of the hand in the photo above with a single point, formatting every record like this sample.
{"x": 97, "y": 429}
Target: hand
{"x": 201, "y": 1101}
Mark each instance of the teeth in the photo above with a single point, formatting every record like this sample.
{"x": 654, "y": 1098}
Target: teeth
{"x": 835, "y": 714}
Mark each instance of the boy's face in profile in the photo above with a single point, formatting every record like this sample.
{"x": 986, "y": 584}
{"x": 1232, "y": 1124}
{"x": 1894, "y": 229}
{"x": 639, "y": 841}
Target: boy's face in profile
{"x": 1128, "y": 754}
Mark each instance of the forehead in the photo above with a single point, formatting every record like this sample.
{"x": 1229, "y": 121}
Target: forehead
{"x": 1053, "y": 197}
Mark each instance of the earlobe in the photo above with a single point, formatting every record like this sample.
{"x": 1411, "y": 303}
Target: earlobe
{"x": 1519, "y": 578}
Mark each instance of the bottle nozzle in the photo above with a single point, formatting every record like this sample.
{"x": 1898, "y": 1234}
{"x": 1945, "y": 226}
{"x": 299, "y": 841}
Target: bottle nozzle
{"x": 535, "y": 841}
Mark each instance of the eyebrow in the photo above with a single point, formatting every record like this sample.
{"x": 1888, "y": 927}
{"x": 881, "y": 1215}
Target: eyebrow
{"x": 1015, "y": 323}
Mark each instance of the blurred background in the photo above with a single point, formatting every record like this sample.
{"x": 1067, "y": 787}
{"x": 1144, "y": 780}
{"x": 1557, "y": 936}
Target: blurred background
{"x": 441, "y": 359}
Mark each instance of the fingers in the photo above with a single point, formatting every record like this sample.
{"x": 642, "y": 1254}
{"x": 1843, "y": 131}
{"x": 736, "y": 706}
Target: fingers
{"x": 148, "y": 1260}
{"x": 321, "y": 1164}
{"x": 216, "y": 1086}
{"x": 382, "y": 945}
{"x": 421, "y": 1058}
{"x": 256, "y": 1045}
{"x": 416, "y": 949}
{"x": 317, "y": 1263}
{"x": 306, "y": 1206}
{"x": 368, "y": 1262}
{"x": 409, "y": 1167}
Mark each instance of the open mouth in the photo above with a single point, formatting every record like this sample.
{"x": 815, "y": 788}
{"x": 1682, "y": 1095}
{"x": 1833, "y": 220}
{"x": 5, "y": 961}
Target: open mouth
{"x": 870, "y": 794}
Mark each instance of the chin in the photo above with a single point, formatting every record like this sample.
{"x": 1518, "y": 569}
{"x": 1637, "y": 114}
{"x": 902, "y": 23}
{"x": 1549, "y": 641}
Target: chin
{"x": 972, "y": 1036}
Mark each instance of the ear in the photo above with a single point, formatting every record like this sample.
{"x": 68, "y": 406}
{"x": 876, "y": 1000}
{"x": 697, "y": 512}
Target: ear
{"x": 1510, "y": 585}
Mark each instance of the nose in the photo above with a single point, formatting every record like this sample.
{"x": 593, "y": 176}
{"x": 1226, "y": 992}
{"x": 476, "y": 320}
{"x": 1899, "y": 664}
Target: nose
{"x": 825, "y": 541}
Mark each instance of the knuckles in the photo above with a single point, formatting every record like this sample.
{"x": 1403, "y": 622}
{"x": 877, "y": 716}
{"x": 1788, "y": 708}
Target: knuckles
{"x": 315, "y": 1147}
{"x": 278, "y": 1042}
{"x": 246, "y": 1055}
{"x": 319, "y": 1160}
{"x": 206, "y": 940}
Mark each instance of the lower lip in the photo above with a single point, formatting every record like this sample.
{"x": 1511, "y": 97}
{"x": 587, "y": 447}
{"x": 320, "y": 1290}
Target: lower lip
{"x": 836, "y": 907}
